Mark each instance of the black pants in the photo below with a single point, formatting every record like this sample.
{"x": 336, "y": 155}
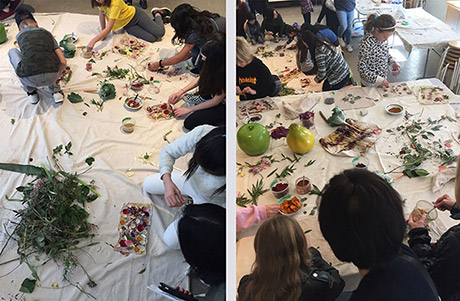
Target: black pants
{"x": 331, "y": 18}
{"x": 327, "y": 86}
{"x": 213, "y": 116}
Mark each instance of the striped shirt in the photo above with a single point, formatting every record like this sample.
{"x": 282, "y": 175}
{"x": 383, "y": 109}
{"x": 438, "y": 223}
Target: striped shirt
{"x": 330, "y": 63}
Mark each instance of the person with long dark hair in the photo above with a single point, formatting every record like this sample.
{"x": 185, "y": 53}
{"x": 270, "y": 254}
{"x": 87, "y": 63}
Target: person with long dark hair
{"x": 286, "y": 269}
{"x": 192, "y": 29}
{"x": 273, "y": 23}
{"x": 328, "y": 61}
{"x": 207, "y": 106}
{"x": 201, "y": 232}
{"x": 361, "y": 217}
{"x": 204, "y": 180}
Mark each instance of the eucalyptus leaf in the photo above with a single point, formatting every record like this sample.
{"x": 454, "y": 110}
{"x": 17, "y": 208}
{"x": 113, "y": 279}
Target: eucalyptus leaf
{"x": 25, "y": 169}
{"x": 89, "y": 161}
{"x": 74, "y": 98}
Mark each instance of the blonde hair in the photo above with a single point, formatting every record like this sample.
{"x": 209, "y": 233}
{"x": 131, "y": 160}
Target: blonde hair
{"x": 281, "y": 252}
{"x": 244, "y": 51}
{"x": 383, "y": 22}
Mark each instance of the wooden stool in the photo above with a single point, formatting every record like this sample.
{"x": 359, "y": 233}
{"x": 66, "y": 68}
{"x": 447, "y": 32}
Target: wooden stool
{"x": 453, "y": 54}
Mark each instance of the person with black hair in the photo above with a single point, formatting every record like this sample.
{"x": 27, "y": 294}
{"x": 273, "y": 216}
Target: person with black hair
{"x": 242, "y": 15}
{"x": 442, "y": 258}
{"x": 328, "y": 61}
{"x": 253, "y": 31}
{"x": 322, "y": 32}
{"x": 361, "y": 217}
{"x": 201, "y": 232}
{"x": 8, "y": 7}
{"x": 191, "y": 28}
{"x": 204, "y": 180}
{"x": 207, "y": 106}
{"x": 39, "y": 61}
{"x": 273, "y": 23}
{"x": 328, "y": 11}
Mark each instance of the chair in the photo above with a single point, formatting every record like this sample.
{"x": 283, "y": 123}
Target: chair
{"x": 454, "y": 79}
{"x": 441, "y": 64}
{"x": 443, "y": 73}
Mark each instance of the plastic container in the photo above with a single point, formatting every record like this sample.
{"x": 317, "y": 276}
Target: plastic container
{"x": 302, "y": 185}
{"x": 360, "y": 162}
{"x": 128, "y": 124}
{"x": 280, "y": 189}
{"x": 423, "y": 207}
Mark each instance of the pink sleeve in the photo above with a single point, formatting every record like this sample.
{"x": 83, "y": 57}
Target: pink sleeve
{"x": 246, "y": 217}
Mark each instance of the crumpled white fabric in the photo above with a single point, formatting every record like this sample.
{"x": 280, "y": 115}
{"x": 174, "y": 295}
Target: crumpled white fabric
{"x": 292, "y": 110}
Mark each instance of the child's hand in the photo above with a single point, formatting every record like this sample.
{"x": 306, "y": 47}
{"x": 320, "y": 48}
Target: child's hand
{"x": 153, "y": 66}
{"x": 249, "y": 91}
{"x": 272, "y": 210}
{"x": 181, "y": 111}
{"x": 238, "y": 90}
{"x": 444, "y": 202}
{"x": 396, "y": 69}
{"x": 253, "y": 41}
{"x": 385, "y": 83}
{"x": 418, "y": 224}
{"x": 316, "y": 79}
{"x": 90, "y": 46}
{"x": 269, "y": 33}
{"x": 173, "y": 98}
{"x": 173, "y": 197}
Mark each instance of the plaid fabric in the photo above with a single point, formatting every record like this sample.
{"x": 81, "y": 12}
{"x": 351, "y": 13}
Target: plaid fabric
{"x": 306, "y": 6}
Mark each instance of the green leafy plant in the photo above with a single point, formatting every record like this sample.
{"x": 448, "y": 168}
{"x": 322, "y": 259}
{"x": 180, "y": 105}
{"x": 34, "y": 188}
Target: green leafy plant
{"x": 256, "y": 191}
{"x": 287, "y": 171}
{"x": 74, "y": 98}
{"x": 53, "y": 221}
{"x": 107, "y": 91}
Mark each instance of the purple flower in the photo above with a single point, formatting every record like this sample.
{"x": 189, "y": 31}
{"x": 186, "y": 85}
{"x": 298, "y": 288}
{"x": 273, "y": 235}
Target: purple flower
{"x": 307, "y": 119}
{"x": 279, "y": 132}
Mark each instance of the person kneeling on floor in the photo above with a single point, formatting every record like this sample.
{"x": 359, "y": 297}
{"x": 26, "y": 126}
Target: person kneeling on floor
{"x": 39, "y": 60}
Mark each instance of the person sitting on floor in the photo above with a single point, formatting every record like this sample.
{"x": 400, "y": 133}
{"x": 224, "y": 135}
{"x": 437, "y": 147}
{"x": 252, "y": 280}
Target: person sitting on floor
{"x": 39, "y": 61}
{"x": 286, "y": 269}
{"x": 191, "y": 28}
{"x": 442, "y": 259}
{"x": 273, "y": 23}
{"x": 304, "y": 61}
{"x": 248, "y": 216}
{"x": 119, "y": 15}
{"x": 253, "y": 78}
{"x": 207, "y": 106}
{"x": 253, "y": 31}
{"x": 374, "y": 57}
{"x": 201, "y": 232}
{"x": 330, "y": 64}
{"x": 293, "y": 34}
{"x": 361, "y": 217}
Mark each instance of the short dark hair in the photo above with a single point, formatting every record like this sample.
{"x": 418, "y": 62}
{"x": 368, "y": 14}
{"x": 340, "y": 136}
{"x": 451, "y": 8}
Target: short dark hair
{"x": 361, "y": 217}
{"x": 23, "y": 14}
{"x": 202, "y": 238}
{"x": 290, "y": 29}
{"x": 251, "y": 16}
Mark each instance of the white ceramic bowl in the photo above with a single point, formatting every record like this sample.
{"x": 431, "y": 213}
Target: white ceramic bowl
{"x": 394, "y": 109}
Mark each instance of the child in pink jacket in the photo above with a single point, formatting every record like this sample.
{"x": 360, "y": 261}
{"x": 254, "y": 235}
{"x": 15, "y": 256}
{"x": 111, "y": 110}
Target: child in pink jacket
{"x": 246, "y": 217}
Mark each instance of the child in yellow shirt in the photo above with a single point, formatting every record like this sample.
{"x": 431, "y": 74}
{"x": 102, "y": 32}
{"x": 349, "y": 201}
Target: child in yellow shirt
{"x": 119, "y": 15}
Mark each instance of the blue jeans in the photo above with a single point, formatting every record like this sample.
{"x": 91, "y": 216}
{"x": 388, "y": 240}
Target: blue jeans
{"x": 256, "y": 38}
{"x": 346, "y": 24}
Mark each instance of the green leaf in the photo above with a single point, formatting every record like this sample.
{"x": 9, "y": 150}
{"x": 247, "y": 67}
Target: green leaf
{"x": 308, "y": 231}
{"x": 141, "y": 271}
{"x": 68, "y": 146}
{"x": 413, "y": 173}
{"x": 315, "y": 190}
{"x": 74, "y": 98}
{"x": 25, "y": 169}
{"x": 12, "y": 121}
{"x": 437, "y": 128}
{"x": 89, "y": 161}
{"x": 28, "y": 285}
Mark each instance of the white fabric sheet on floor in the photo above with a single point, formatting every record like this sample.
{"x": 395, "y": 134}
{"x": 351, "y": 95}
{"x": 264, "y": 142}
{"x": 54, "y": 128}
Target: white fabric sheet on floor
{"x": 325, "y": 166}
{"x": 37, "y": 129}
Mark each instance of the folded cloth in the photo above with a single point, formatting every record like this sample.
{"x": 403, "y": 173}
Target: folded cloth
{"x": 442, "y": 177}
{"x": 301, "y": 105}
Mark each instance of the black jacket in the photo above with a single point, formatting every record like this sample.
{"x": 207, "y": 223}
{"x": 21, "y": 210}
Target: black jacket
{"x": 442, "y": 260}
{"x": 257, "y": 76}
{"x": 319, "y": 282}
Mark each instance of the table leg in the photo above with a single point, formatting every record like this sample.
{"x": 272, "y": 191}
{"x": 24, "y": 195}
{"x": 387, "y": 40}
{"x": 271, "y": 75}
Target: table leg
{"x": 426, "y": 61}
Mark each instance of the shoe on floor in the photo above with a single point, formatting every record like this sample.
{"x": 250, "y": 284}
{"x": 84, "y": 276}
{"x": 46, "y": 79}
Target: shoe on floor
{"x": 129, "y": 2}
{"x": 164, "y": 12}
{"x": 143, "y": 3}
{"x": 33, "y": 97}
{"x": 349, "y": 48}
{"x": 58, "y": 96}
{"x": 342, "y": 43}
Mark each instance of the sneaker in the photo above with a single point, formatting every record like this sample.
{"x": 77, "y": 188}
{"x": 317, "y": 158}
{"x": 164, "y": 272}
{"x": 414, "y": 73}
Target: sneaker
{"x": 349, "y": 48}
{"x": 342, "y": 43}
{"x": 143, "y": 3}
{"x": 33, "y": 97}
{"x": 58, "y": 96}
{"x": 164, "y": 12}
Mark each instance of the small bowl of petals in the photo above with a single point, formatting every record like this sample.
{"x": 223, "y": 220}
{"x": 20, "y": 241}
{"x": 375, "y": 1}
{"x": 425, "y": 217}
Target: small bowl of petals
{"x": 289, "y": 205}
{"x": 137, "y": 86}
{"x": 394, "y": 109}
{"x": 280, "y": 188}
